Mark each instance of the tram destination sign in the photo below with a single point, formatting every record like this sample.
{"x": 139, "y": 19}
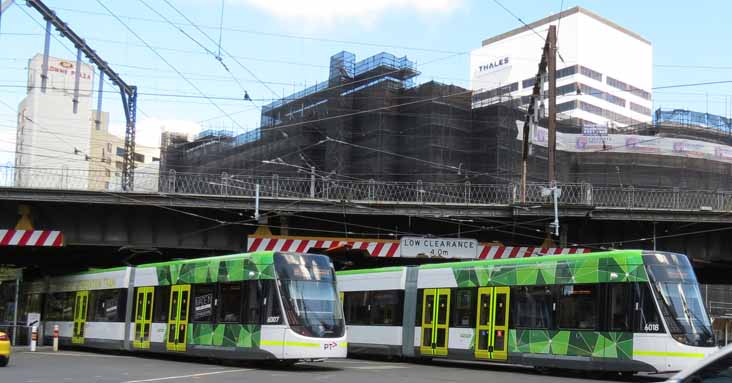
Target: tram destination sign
{"x": 420, "y": 247}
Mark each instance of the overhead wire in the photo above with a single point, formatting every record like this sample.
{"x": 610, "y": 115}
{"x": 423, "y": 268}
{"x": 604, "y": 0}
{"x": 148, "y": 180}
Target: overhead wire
{"x": 191, "y": 83}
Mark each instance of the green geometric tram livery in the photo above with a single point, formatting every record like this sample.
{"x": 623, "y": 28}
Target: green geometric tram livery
{"x": 265, "y": 305}
{"x": 625, "y": 311}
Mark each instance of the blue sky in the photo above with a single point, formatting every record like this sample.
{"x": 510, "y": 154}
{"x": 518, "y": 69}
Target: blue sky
{"x": 287, "y": 44}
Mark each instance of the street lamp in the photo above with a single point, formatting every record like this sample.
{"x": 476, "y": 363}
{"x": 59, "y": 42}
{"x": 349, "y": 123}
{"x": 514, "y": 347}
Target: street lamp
{"x": 555, "y": 192}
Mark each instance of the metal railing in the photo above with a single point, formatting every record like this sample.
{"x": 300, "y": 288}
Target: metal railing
{"x": 369, "y": 191}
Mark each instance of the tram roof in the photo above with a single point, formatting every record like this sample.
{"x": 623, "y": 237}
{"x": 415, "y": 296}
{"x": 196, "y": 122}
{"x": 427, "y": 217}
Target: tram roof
{"x": 618, "y": 255}
{"x": 615, "y": 254}
{"x": 259, "y": 257}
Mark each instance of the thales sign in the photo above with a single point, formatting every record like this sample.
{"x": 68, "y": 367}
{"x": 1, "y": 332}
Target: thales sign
{"x": 494, "y": 65}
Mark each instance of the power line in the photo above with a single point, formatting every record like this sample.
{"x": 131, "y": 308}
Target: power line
{"x": 132, "y": 31}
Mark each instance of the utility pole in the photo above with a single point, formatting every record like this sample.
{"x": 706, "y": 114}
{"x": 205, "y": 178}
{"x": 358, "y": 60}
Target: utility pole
{"x": 552, "y": 123}
{"x": 532, "y": 117}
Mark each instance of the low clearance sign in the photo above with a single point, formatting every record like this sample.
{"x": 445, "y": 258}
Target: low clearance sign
{"x": 413, "y": 247}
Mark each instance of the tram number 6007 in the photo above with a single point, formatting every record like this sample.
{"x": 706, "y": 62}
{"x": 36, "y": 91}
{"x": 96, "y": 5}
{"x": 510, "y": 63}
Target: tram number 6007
{"x": 438, "y": 253}
{"x": 650, "y": 327}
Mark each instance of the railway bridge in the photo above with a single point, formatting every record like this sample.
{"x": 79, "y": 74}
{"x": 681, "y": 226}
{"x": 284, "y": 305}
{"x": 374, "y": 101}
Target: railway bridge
{"x": 182, "y": 215}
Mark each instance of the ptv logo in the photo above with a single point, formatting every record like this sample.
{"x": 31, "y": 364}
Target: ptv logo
{"x": 330, "y": 346}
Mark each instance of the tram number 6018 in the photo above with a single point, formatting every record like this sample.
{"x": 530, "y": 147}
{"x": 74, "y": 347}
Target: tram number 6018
{"x": 438, "y": 253}
{"x": 651, "y": 327}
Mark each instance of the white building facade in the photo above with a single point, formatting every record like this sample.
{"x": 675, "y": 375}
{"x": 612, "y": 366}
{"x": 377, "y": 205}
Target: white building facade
{"x": 604, "y": 74}
{"x": 53, "y": 142}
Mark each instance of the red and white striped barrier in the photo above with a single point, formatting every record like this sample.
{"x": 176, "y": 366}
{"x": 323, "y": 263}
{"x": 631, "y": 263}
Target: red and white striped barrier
{"x": 390, "y": 248}
{"x": 41, "y": 238}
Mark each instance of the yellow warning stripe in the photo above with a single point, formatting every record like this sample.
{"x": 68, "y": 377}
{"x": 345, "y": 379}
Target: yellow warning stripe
{"x": 666, "y": 353}
{"x": 280, "y": 343}
{"x": 343, "y": 344}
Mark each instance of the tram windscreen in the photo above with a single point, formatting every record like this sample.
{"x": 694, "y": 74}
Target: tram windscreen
{"x": 309, "y": 295}
{"x": 679, "y": 298}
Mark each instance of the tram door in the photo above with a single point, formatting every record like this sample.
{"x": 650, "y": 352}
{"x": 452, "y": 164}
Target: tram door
{"x": 178, "y": 318}
{"x": 435, "y": 321}
{"x": 492, "y": 327}
{"x": 143, "y": 316}
{"x": 81, "y": 305}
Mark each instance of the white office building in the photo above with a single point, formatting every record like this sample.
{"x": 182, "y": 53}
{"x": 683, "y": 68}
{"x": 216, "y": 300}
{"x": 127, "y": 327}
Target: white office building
{"x": 604, "y": 74}
{"x": 53, "y": 142}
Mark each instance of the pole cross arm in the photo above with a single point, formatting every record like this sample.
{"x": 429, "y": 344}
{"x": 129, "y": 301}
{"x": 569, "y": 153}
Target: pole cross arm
{"x": 79, "y": 43}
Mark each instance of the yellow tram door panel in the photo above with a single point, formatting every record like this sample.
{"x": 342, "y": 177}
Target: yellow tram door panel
{"x": 435, "y": 322}
{"x": 428, "y": 314}
{"x": 178, "y": 318}
{"x": 442, "y": 322}
{"x": 484, "y": 323}
{"x": 491, "y": 331}
{"x": 185, "y": 294}
{"x": 143, "y": 316}
{"x": 499, "y": 335}
{"x": 81, "y": 304}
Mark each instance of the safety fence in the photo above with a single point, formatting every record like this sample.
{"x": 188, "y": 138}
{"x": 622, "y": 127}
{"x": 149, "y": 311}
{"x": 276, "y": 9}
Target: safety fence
{"x": 370, "y": 191}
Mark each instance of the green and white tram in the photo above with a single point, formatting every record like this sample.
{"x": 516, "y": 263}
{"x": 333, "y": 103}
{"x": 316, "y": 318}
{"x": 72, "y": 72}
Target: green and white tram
{"x": 225, "y": 307}
{"x": 625, "y": 311}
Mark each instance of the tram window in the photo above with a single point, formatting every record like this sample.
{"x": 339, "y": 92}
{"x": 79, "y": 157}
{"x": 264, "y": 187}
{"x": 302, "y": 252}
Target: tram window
{"x": 385, "y": 308}
{"x": 463, "y": 308}
{"x": 230, "y": 299}
{"x": 619, "y": 306}
{"x": 203, "y": 303}
{"x": 252, "y": 301}
{"x": 532, "y": 307}
{"x": 59, "y": 307}
{"x": 418, "y": 315}
{"x": 356, "y": 307}
{"x": 578, "y": 307}
{"x": 162, "y": 304}
{"x": 647, "y": 317}
{"x": 271, "y": 313}
{"x": 104, "y": 306}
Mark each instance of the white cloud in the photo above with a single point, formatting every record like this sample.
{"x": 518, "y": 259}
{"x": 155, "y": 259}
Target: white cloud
{"x": 329, "y": 12}
{"x": 148, "y": 130}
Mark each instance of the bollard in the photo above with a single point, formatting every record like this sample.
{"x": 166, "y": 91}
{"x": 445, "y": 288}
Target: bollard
{"x": 55, "y": 337}
{"x": 34, "y": 338}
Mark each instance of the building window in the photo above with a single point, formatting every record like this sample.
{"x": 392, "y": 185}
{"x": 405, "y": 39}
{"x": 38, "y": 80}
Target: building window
{"x": 627, "y": 88}
{"x": 565, "y": 89}
{"x": 528, "y": 83}
{"x": 566, "y": 106}
{"x": 590, "y": 73}
{"x": 120, "y": 151}
{"x": 588, "y": 90}
{"x": 230, "y": 303}
{"x": 155, "y": 159}
{"x": 568, "y": 71}
{"x": 109, "y": 147}
{"x": 139, "y": 157}
{"x": 463, "y": 309}
{"x": 640, "y": 109}
{"x": 107, "y": 173}
{"x": 532, "y": 306}
{"x": 578, "y": 307}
